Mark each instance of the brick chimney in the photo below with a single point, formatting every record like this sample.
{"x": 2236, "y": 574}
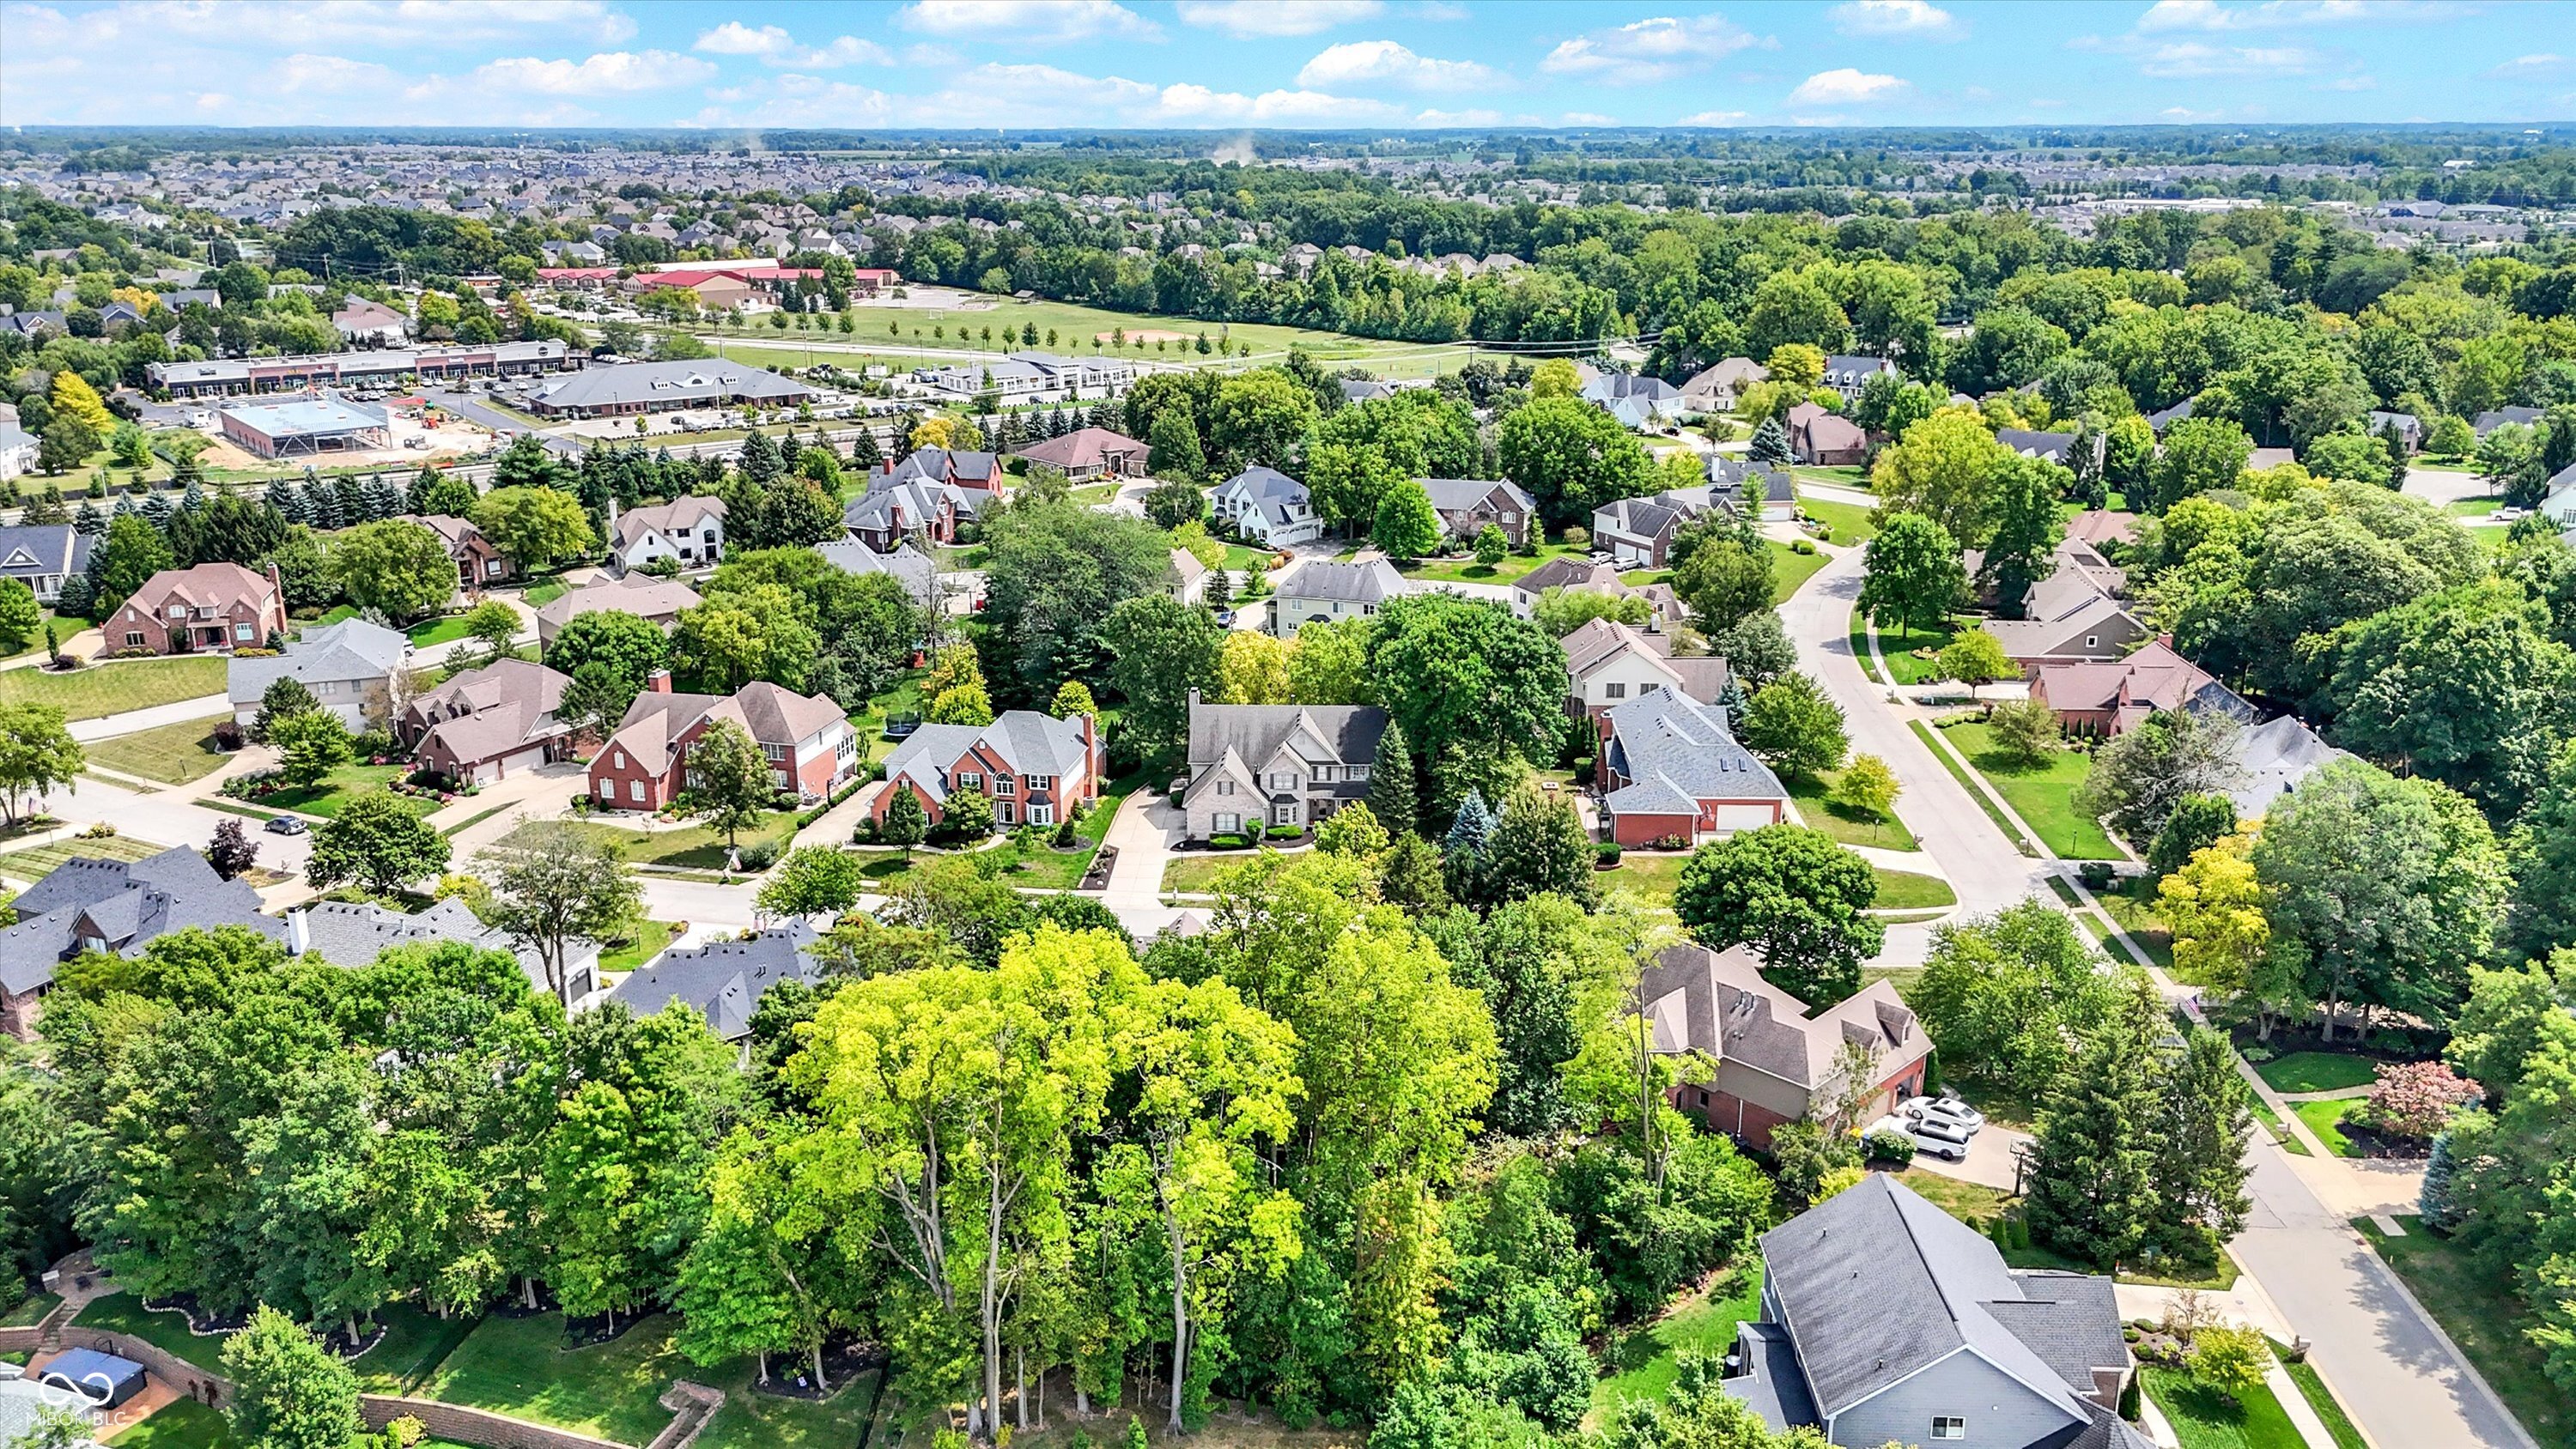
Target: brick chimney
{"x": 658, "y": 682}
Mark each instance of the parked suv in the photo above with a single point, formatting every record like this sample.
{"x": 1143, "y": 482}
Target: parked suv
{"x": 1944, "y": 1108}
{"x": 1938, "y": 1139}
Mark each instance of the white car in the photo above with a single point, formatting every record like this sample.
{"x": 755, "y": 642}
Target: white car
{"x": 1943, "y": 1109}
{"x": 1936, "y": 1139}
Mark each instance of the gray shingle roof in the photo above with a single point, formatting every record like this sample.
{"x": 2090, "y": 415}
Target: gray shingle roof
{"x": 352, "y": 649}
{"x": 668, "y": 384}
{"x": 351, "y": 934}
{"x": 43, "y": 548}
{"x": 724, "y": 980}
{"x": 1373, "y": 582}
{"x": 907, "y": 565}
{"x": 1027, "y": 742}
{"x": 126, "y": 904}
{"x": 1676, "y": 751}
{"x": 1255, "y": 732}
{"x": 1459, "y": 495}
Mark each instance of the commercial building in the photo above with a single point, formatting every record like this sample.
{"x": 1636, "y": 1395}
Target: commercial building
{"x": 385, "y": 367}
{"x": 656, "y": 387}
{"x": 303, "y": 428}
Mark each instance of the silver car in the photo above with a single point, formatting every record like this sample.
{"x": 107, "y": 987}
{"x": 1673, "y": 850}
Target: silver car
{"x": 1945, "y": 1109}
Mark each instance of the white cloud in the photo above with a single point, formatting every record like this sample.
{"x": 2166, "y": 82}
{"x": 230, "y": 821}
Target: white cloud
{"x": 799, "y": 100}
{"x": 1384, "y": 62}
{"x": 2181, "y": 113}
{"x": 1909, "y": 19}
{"x": 328, "y": 73}
{"x": 1846, "y": 86}
{"x": 1046, "y": 95}
{"x": 2191, "y": 59}
{"x": 1470, "y": 117}
{"x": 609, "y": 73}
{"x": 1588, "y": 118}
{"x": 772, "y": 45}
{"x": 2273, "y": 14}
{"x": 1028, "y": 22}
{"x": 1270, "y": 19}
{"x": 2523, "y": 67}
{"x": 1651, "y": 50}
{"x": 1713, "y": 118}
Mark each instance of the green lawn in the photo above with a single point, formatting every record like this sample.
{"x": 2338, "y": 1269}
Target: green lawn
{"x": 180, "y": 1424}
{"x": 1899, "y": 648}
{"x": 1845, "y": 523}
{"x": 2204, "y": 1418}
{"x": 1468, "y": 571}
{"x": 2479, "y": 1309}
{"x": 32, "y": 1311}
{"x": 519, "y": 1366}
{"x": 125, "y": 1313}
{"x": 343, "y": 785}
{"x": 173, "y": 754}
{"x": 2045, "y": 797}
{"x": 2473, "y": 507}
{"x": 1847, "y": 477}
{"x": 1842, "y": 822}
{"x": 1652, "y": 1356}
{"x": 652, "y": 938}
{"x": 35, "y": 860}
{"x": 2271, "y": 1121}
{"x": 1900, "y": 890}
{"x": 692, "y": 847}
{"x": 2133, "y": 905}
{"x": 1655, "y": 876}
{"x": 540, "y": 595}
{"x": 1196, "y": 873}
{"x": 114, "y": 688}
{"x": 446, "y": 629}
{"x": 1042, "y": 868}
{"x": 2318, "y": 1072}
{"x": 2313, "y": 1388}
{"x": 2325, "y": 1118}
{"x": 1790, "y": 568}
{"x": 1960, "y": 773}
{"x": 414, "y": 1345}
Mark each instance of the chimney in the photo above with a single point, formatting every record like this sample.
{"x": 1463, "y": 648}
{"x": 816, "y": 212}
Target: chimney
{"x": 299, "y": 932}
{"x": 276, "y": 583}
{"x": 658, "y": 682}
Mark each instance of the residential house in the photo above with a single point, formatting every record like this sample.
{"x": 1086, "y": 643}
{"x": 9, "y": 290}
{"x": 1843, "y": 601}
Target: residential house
{"x": 2494, "y": 418}
{"x": 893, "y": 513}
{"x": 2558, "y": 497}
{"x": 1730, "y": 486}
{"x": 1319, "y": 592}
{"x": 2111, "y": 699}
{"x": 1670, "y": 768}
{"x": 371, "y": 324}
{"x": 1366, "y": 389}
{"x": 1637, "y": 533}
{"x": 1848, "y": 375}
{"x": 1886, "y": 1320}
{"x": 2410, "y": 428}
{"x": 723, "y": 981}
{"x": 1034, "y": 768}
{"x": 2058, "y": 448}
{"x": 1468, "y": 506}
{"x": 209, "y": 608}
{"x": 1821, "y": 439}
{"x": 1573, "y": 575}
{"x": 689, "y": 531}
{"x": 950, "y": 467}
{"x": 1715, "y": 387}
{"x": 479, "y": 726}
{"x": 351, "y": 934}
{"x": 2076, "y": 614}
{"x": 2164, "y": 418}
{"x": 906, "y": 565}
{"x": 116, "y": 906}
{"x": 18, "y": 450}
{"x": 2275, "y": 758}
{"x": 1758, "y": 1057}
{"x": 1266, "y": 507}
{"x": 348, "y": 668}
{"x": 1189, "y": 577}
{"x": 478, "y": 560}
{"x": 2100, "y": 526}
{"x": 1088, "y": 454}
{"x": 1284, "y": 765}
{"x": 642, "y": 595}
{"x": 1639, "y": 403}
{"x": 807, "y": 739}
{"x": 1609, "y": 664}
{"x": 42, "y": 555}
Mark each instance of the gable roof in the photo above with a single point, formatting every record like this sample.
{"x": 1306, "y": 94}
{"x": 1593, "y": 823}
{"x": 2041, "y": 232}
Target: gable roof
{"x": 1577, "y": 575}
{"x": 42, "y": 548}
{"x": 1675, "y": 752}
{"x": 2153, "y": 678}
{"x": 216, "y": 586}
{"x": 1716, "y": 1004}
{"x": 722, "y": 981}
{"x": 1081, "y": 448}
{"x": 505, "y": 704}
{"x": 122, "y": 903}
{"x": 906, "y": 565}
{"x": 1023, "y": 740}
{"x": 1464, "y": 495}
{"x": 678, "y": 515}
{"x": 639, "y": 594}
{"x": 1255, "y": 733}
{"x": 352, "y": 649}
{"x": 351, "y": 934}
{"x": 1372, "y": 582}
{"x": 2277, "y": 756}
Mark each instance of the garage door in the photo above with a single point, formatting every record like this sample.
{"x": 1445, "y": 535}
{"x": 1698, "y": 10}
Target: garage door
{"x": 1745, "y": 817}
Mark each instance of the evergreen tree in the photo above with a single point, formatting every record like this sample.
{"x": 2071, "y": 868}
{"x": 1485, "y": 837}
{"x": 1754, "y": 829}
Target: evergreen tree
{"x": 1731, "y": 698}
{"x": 290, "y": 502}
{"x": 1393, "y": 793}
{"x": 865, "y": 455}
{"x": 157, "y": 510}
{"x": 1770, "y": 444}
{"x": 2197, "y": 1168}
{"x": 1464, "y": 851}
{"x": 2437, "y": 1199}
{"x": 89, "y": 521}
{"x": 2092, "y": 1175}
{"x": 1539, "y": 848}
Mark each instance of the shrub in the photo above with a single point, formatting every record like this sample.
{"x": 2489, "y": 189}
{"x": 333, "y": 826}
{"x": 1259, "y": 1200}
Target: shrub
{"x": 1888, "y": 1147}
{"x": 2096, "y": 874}
{"x": 1578, "y": 537}
{"x": 1669, "y": 842}
{"x": 2230, "y": 1360}
{"x": 760, "y": 855}
{"x": 1607, "y": 853}
{"x": 2258, "y": 1054}
{"x": 1802, "y": 546}
{"x": 2416, "y": 1100}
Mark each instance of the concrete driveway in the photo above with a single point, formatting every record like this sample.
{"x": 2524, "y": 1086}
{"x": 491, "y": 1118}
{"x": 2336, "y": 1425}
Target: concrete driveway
{"x": 1989, "y": 1161}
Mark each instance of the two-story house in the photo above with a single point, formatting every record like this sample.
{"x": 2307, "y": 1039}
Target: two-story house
{"x": 953, "y": 467}
{"x": 1033, "y": 767}
{"x": 210, "y": 608}
{"x": 658, "y": 600}
{"x": 1848, "y": 375}
{"x": 1607, "y": 664}
{"x": 348, "y": 668}
{"x": 478, "y": 560}
{"x": 917, "y": 509}
{"x": 1821, "y": 439}
{"x": 479, "y": 726}
{"x": 688, "y": 531}
{"x": 1284, "y": 765}
{"x": 1755, "y": 1056}
{"x": 644, "y": 766}
{"x": 42, "y": 555}
{"x": 1319, "y": 592}
{"x": 1671, "y": 768}
{"x": 1468, "y": 505}
{"x": 1887, "y": 1321}
{"x": 1266, "y": 507}
{"x": 723, "y": 981}
{"x": 1714, "y": 388}
{"x": 115, "y": 906}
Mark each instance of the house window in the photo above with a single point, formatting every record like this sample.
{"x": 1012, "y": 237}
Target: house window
{"x": 634, "y": 789}
{"x": 1614, "y": 691}
{"x": 1041, "y": 815}
{"x": 1355, "y": 773}
{"x": 492, "y": 568}
{"x": 1283, "y": 780}
{"x": 608, "y": 790}
{"x": 1227, "y": 823}
{"x": 1948, "y": 1426}
{"x": 1037, "y": 783}
{"x": 1004, "y": 784}
{"x": 243, "y": 631}
{"x": 133, "y": 639}
{"x": 617, "y": 759}
{"x": 2092, "y": 640}
{"x": 970, "y": 780}
{"x": 1225, "y": 787}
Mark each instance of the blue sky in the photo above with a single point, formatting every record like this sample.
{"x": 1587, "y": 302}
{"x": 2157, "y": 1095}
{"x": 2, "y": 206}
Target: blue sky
{"x": 1221, "y": 65}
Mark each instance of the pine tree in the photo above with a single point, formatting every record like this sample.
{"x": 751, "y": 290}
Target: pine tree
{"x": 2092, "y": 1194}
{"x": 194, "y": 497}
{"x": 1392, "y": 795}
{"x": 89, "y": 521}
{"x": 290, "y": 503}
{"x": 1770, "y": 444}
{"x": 2197, "y": 1166}
{"x": 156, "y": 511}
{"x": 1465, "y": 850}
{"x": 865, "y": 455}
{"x": 1730, "y": 697}
{"x": 759, "y": 463}
{"x": 2436, "y": 1200}
{"x": 322, "y": 504}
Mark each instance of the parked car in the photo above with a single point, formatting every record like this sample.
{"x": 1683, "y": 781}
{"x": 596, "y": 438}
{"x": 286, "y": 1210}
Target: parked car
{"x": 1937, "y": 1139}
{"x": 284, "y": 825}
{"x": 1944, "y": 1108}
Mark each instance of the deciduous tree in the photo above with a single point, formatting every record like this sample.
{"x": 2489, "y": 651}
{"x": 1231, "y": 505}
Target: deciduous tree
{"x": 1800, "y": 900}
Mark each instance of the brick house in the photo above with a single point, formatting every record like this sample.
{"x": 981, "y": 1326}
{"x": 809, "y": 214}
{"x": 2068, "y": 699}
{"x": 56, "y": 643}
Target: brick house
{"x": 1086, "y": 454}
{"x": 644, "y": 766}
{"x": 484, "y": 723}
{"x": 1772, "y": 1061}
{"x": 1821, "y": 439}
{"x": 211, "y": 608}
{"x": 1467, "y": 505}
{"x": 478, "y": 560}
{"x": 2113, "y": 698}
{"x": 1033, "y": 767}
{"x": 1671, "y": 767}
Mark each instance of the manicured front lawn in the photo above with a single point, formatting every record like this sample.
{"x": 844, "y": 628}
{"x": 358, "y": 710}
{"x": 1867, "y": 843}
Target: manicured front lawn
{"x": 36, "y": 860}
{"x": 1848, "y": 523}
{"x": 413, "y": 1346}
{"x": 444, "y": 630}
{"x": 2044, "y": 796}
{"x": 1650, "y": 1359}
{"x": 2325, "y": 1118}
{"x": 2312, "y": 1387}
{"x": 1905, "y": 665}
{"x": 1850, "y": 826}
{"x": 1967, "y": 782}
{"x": 691, "y": 847}
{"x": 1196, "y": 873}
{"x": 343, "y": 785}
{"x": 1468, "y": 571}
{"x": 173, "y": 754}
{"x": 1790, "y": 568}
{"x": 652, "y": 938}
{"x": 2479, "y": 1309}
{"x": 2272, "y": 1124}
{"x": 1655, "y": 876}
{"x": 2317, "y": 1072}
{"x": 1902, "y": 890}
{"x": 114, "y": 688}
{"x": 2133, "y": 905}
{"x": 179, "y": 1424}
{"x": 125, "y": 1313}
{"x": 2204, "y": 1418}
{"x": 540, "y": 595}
{"x": 1042, "y": 867}
{"x": 519, "y": 1366}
